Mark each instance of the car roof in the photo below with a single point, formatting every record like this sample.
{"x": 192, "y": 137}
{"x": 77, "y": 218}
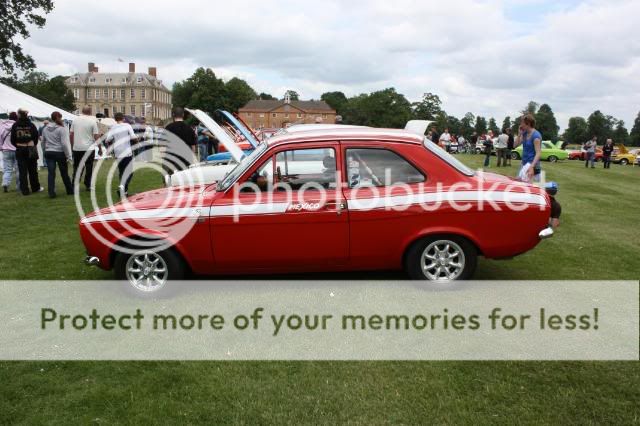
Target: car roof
{"x": 347, "y": 133}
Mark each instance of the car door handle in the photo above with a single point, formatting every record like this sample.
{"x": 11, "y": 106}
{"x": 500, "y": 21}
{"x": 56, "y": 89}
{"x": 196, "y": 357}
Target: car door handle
{"x": 339, "y": 206}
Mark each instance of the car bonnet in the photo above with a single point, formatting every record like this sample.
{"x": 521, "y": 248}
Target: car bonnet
{"x": 219, "y": 133}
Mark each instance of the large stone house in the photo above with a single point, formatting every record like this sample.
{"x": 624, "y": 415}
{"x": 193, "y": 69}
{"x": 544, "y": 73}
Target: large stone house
{"x": 133, "y": 93}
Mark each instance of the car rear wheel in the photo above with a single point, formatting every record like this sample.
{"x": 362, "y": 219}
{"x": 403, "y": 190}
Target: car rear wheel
{"x": 515, "y": 155}
{"x": 441, "y": 258}
{"x": 148, "y": 271}
{"x": 624, "y": 162}
{"x": 552, "y": 159}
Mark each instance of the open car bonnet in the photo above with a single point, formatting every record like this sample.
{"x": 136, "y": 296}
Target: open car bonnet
{"x": 419, "y": 127}
{"x": 240, "y": 127}
{"x": 219, "y": 133}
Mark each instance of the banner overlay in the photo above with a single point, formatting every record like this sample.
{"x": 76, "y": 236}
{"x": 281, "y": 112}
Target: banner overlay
{"x": 321, "y": 320}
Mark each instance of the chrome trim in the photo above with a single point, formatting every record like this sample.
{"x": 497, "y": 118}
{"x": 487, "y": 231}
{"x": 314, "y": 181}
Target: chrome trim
{"x": 91, "y": 261}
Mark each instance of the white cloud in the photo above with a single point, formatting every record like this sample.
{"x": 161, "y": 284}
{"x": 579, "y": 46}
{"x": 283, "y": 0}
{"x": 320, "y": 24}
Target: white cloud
{"x": 486, "y": 56}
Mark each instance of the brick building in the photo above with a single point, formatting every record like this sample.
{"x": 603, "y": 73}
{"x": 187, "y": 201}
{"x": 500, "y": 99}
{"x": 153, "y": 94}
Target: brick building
{"x": 279, "y": 113}
{"x": 133, "y": 93}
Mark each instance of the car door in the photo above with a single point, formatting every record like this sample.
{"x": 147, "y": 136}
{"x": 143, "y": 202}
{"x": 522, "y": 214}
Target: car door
{"x": 286, "y": 214}
{"x": 382, "y": 217}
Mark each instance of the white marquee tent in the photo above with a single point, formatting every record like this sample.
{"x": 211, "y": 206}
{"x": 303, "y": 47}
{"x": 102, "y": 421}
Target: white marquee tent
{"x": 12, "y": 99}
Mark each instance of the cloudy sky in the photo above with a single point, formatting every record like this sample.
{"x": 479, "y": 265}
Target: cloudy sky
{"x": 487, "y": 56}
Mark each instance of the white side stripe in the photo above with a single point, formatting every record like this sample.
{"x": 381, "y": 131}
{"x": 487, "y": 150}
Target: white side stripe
{"x": 178, "y": 212}
{"x": 443, "y": 197}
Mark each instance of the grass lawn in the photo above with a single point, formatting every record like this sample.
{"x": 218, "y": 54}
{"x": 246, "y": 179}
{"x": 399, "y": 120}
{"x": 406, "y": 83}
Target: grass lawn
{"x": 599, "y": 239}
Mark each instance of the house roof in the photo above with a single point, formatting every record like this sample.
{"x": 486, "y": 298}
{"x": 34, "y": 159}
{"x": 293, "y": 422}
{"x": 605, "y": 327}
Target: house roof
{"x": 266, "y": 106}
{"x": 118, "y": 79}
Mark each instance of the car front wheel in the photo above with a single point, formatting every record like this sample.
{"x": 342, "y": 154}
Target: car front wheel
{"x": 515, "y": 156}
{"x": 624, "y": 162}
{"x": 441, "y": 258}
{"x": 552, "y": 159}
{"x": 147, "y": 271}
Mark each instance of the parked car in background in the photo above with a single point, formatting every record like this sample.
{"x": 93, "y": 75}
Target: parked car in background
{"x": 359, "y": 217}
{"x": 581, "y": 155}
{"x": 625, "y": 156}
{"x": 549, "y": 152}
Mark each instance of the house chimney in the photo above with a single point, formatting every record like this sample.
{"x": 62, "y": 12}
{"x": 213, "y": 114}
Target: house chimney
{"x": 91, "y": 66}
{"x": 153, "y": 72}
{"x": 132, "y": 67}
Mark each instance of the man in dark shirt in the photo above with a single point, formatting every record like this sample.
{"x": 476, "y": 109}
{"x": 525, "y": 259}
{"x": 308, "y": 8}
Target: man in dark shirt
{"x": 25, "y": 136}
{"x": 510, "y": 143}
{"x": 185, "y": 133}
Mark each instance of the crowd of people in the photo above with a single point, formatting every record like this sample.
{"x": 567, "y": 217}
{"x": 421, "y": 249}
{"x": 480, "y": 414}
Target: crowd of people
{"x": 79, "y": 143}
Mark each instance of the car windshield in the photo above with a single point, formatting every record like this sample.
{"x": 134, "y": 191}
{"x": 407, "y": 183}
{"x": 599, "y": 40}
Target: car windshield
{"x": 457, "y": 164}
{"x": 244, "y": 164}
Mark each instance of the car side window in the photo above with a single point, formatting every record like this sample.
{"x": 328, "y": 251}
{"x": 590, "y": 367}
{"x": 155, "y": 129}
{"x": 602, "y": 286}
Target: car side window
{"x": 261, "y": 180}
{"x": 309, "y": 168}
{"x": 379, "y": 167}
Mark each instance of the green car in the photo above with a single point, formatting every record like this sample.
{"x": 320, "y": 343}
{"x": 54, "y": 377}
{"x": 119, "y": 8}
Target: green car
{"x": 550, "y": 152}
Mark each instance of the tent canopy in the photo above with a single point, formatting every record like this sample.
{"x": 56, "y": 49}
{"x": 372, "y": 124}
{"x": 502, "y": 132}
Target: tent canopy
{"x": 12, "y": 99}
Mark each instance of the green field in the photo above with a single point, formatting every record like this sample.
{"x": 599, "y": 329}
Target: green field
{"x": 599, "y": 238}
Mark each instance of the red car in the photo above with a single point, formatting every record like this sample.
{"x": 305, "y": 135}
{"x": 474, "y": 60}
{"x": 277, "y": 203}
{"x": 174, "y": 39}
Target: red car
{"x": 581, "y": 155}
{"x": 324, "y": 200}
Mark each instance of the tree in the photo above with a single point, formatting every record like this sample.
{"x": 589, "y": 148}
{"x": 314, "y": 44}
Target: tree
{"x": 384, "y": 108}
{"x": 481, "y": 125}
{"x": 577, "y": 132}
{"x": 293, "y": 95}
{"x": 493, "y": 126}
{"x": 635, "y": 131}
{"x": 621, "y": 134}
{"x": 15, "y": 18}
{"x": 238, "y": 93}
{"x": 531, "y": 108}
{"x": 506, "y": 123}
{"x": 428, "y": 108}
{"x": 203, "y": 90}
{"x": 266, "y": 97}
{"x": 441, "y": 121}
{"x": 466, "y": 125}
{"x": 336, "y": 100}
{"x": 546, "y": 123}
{"x": 600, "y": 126}
{"x": 53, "y": 91}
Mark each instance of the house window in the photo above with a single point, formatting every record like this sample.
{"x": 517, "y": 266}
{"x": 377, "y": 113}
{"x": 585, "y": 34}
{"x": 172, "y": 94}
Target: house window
{"x": 143, "y": 94}
{"x": 97, "y": 93}
{"x": 122, "y": 93}
{"x": 143, "y": 111}
{"x": 324, "y": 115}
{"x": 105, "y": 93}
{"x": 108, "y": 80}
{"x": 261, "y": 115}
{"x": 88, "y": 93}
{"x": 133, "y": 93}
{"x": 299, "y": 115}
{"x": 76, "y": 93}
{"x": 133, "y": 110}
{"x": 92, "y": 80}
{"x": 113, "y": 93}
{"x": 139, "y": 80}
{"x": 124, "y": 80}
{"x": 248, "y": 114}
{"x": 274, "y": 115}
{"x": 286, "y": 116}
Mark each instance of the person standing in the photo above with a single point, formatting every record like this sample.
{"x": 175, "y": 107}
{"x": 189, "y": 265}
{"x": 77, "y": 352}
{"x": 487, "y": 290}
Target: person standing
{"x": 9, "y": 163}
{"x": 24, "y": 136}
{"x": 510, "y": 142}
{"x": 84, "y": 134}
{"x": 186, "y": 134}
{"x": 57, "y": 151}
{"x": 488, "y": 147}
{"x": 203, "y": 142}
{"x": 474, "y": 142}
{"x": 607, "y": 150}
{"x": 590, "y": 152}
{"x": 501, "y": 148}
{"x": 120, "y": 136}
{"x": 531, "y": 141}
{"x": 445, "y": 140}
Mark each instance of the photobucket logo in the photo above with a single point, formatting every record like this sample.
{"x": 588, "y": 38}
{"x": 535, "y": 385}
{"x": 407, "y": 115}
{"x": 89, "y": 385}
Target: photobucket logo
{"x": 120, "y": 220}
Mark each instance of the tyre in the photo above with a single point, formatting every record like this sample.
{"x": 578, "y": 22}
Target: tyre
{"x": 148, "y": 272}
{"x": 441, "y": 258}
{"x": 552, "y": 159}
{"x": 624, "y": 162}
{"x": 515, "y": 155}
